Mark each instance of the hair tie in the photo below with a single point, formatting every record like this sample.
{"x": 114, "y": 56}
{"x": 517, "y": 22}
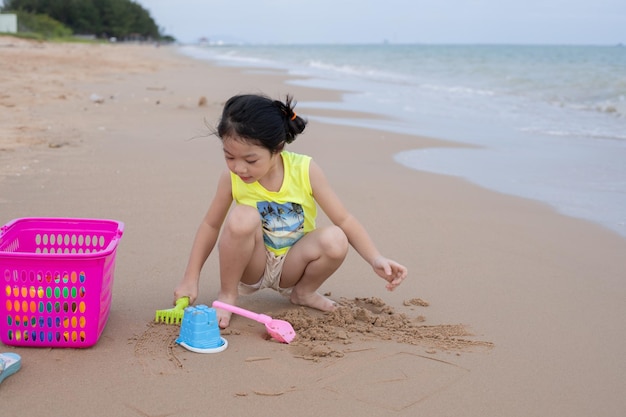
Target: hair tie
{"x": 294, "y": 116}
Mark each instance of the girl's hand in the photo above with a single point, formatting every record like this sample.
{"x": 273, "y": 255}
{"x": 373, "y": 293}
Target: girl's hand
{"x": 389, "y": 270}
{"x": 186, "y": 290}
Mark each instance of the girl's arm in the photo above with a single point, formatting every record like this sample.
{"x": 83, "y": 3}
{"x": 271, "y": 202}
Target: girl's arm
{"x": 205, "y": 239}
{"x": 358, "y": 237}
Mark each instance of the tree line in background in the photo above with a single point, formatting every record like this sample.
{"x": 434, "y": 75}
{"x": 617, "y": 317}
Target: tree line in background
{"x": 120, "y": 19}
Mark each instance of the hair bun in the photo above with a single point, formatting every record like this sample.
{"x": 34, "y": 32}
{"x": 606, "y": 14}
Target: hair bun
{"x": 294, "y": 124}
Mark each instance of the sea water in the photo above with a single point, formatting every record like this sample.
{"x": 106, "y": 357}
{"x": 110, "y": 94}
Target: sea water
{"x": 541, "y": 122}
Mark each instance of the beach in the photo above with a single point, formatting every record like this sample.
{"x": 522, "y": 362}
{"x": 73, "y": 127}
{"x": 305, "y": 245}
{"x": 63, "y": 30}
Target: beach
{"x": 509, "y": 309}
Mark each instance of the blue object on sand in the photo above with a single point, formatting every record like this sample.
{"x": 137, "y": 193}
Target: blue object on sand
{"x": 200, "y": 332}
{"x": 10, "y": 363}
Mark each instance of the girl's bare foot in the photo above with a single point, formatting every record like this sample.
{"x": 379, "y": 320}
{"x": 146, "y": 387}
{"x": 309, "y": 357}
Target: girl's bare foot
{"x": 223, "y": 316}
{"x": 313, "y": 300}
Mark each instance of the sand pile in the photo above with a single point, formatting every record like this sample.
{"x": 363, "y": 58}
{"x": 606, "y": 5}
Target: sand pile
{"x": 361, "y": 319}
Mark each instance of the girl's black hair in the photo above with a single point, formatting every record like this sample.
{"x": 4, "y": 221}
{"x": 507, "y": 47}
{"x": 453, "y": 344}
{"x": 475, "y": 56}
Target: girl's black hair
{"x": 270, "y": 123}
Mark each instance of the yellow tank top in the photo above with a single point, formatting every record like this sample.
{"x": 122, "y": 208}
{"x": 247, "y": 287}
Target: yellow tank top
{"x": 287, "y": 214}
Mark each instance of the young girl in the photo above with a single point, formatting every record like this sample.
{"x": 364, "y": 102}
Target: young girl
{"x": 269, "y": 238}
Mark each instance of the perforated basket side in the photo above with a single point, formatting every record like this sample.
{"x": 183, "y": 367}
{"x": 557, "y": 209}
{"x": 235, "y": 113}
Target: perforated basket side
{"x": 53, "y": 299}
{"x": 60, "y": 236}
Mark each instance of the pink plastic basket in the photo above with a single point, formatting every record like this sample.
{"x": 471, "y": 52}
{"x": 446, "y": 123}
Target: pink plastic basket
{"x": 57, "y": 278}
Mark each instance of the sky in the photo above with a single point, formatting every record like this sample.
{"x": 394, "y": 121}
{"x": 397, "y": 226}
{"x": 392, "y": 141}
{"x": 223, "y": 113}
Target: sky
{"x": 395, "y": 21}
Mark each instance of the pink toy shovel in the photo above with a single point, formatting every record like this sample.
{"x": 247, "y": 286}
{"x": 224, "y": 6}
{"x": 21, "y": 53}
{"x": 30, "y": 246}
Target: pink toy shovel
{"x": 280, "y": 330}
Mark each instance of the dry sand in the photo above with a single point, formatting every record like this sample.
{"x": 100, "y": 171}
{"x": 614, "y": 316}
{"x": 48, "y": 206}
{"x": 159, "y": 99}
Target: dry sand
{"x": 509, "y": 309}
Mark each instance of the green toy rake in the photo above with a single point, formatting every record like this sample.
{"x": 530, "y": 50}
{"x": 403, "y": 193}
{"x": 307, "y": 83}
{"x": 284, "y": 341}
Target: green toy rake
{"x": 173, "y": 315}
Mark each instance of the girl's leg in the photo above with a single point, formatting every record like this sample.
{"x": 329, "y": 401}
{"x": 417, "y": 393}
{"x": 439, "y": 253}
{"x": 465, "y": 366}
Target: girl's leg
{"x": 310, "y": 262}
{"x": 241, "y": 255}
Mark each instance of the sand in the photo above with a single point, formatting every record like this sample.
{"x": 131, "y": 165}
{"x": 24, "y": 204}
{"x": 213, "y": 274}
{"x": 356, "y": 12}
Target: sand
{"x": 510, "y": 309}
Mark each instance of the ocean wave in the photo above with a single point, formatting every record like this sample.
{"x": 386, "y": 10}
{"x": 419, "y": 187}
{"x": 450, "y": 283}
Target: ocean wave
{"x": 579, "y": 132}
{"x": 617, "y": 108}
{"x": 226, "y": 56}
{"x": 365, "y": 72}
{"x": 457, "y": 89}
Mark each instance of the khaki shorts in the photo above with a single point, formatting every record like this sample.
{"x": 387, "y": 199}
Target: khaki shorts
{"x": 271, "y": 276}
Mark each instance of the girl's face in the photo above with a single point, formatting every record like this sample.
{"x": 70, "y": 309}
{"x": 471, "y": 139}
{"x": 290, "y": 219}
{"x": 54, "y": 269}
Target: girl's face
{"x": 249, "y": 161}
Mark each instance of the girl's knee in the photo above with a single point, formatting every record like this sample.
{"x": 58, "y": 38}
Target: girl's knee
{"x": 242, "y": 220}
{"x": 335, "y": 242}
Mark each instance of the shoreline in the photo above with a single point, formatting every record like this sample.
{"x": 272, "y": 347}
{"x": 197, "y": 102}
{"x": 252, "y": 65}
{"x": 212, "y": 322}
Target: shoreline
{"x": 544, "y": 289}
{"x": 577, "y": 175}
